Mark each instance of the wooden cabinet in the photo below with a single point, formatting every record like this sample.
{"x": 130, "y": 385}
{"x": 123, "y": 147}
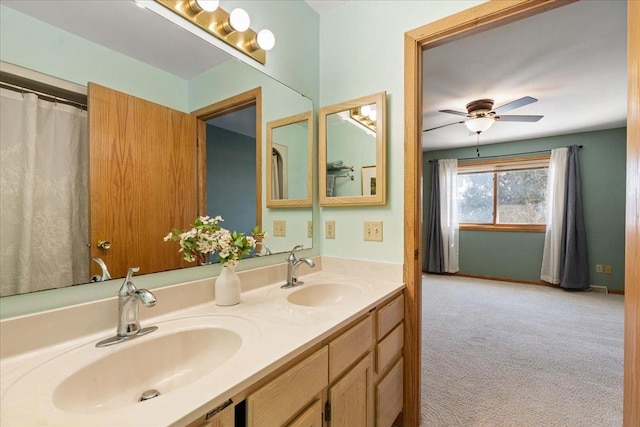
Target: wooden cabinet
{"x": 354, "y": 380}
{"x": 350, "y": 399}
{"x": 389, "y": 362}
{"x": 283, "y": 398}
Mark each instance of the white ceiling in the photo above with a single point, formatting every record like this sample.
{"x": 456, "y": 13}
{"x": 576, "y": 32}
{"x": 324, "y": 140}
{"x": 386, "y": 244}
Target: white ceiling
{"x": 123, "y": 26}
{"x": 572, "y": 59}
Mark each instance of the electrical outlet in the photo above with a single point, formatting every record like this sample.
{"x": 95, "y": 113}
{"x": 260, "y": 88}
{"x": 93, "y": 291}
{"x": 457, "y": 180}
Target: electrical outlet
{"x": 373, "y": 231}
{"x": 607, "y": 269}
{"x": 598, "y": 268}
{"x": 279, "y": 228}
{"x": 330, "y": 230}
{"x": 309, "y": 229}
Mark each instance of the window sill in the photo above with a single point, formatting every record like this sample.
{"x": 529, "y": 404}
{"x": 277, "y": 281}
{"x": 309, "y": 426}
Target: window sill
{"x": 527, "y": 228}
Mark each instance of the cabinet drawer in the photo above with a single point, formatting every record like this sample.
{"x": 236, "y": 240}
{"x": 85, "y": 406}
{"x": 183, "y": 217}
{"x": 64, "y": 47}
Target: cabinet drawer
{"x": 389, "y": 396}
{"x": 349, "y": 347}
{"x": 389, "y": 347}
{"x": 311, "y": 417}
{"x": 390, "y": 315}
{"x": 282, "y": 398}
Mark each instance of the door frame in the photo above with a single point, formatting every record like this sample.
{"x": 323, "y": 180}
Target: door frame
{"x": 467, "y": 22}
{"x": 226, "y": 106}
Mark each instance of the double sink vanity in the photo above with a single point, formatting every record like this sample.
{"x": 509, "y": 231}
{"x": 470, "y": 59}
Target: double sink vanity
{"x": 329, "y": 350}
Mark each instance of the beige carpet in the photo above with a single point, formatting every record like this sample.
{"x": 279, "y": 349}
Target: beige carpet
{"x": 503, "y": 354}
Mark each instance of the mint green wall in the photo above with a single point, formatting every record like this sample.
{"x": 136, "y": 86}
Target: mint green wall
{"x": 38, "y": 46}
{"x": 361, "y": 53}
{"x": 296, "y": 138}
{"x": 519, "y": 255}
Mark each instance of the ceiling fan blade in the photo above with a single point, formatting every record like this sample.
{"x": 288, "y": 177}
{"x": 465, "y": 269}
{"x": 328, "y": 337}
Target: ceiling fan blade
{"x": 438, "y": 127}
{"x": 459, "y": 113}
{"x": 526, "y": 100}
{"x": 517, "y": 118}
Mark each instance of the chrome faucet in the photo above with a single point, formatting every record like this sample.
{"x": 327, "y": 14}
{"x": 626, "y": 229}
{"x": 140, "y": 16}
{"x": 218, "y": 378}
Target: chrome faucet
{"x": 128, "y": 324}
{"x": 292, "y": 268}
{"x": 105, "y": 271}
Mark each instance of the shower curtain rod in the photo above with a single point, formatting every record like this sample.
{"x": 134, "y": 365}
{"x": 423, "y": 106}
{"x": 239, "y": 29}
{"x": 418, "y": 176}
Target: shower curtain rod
{"x": 43, "y": 95}
{"x": 502, "y": 155}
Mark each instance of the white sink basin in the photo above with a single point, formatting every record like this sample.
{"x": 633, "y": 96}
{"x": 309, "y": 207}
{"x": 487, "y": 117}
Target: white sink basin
{"x": 94, "y": 380}
{"x": 323, "y": 294}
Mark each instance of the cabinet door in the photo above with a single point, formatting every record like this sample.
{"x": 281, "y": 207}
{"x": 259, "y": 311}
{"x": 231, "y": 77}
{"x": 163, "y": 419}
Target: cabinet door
{"x": 351, "y": 398}
{"x": 311, "y": 417}
{"x": 389, "y": 395}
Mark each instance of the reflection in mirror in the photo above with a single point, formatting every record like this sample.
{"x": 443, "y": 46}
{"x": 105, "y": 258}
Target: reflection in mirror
{"x": 352, "y": 152}
{"x": 289, "y": 157}
{"x": 208, "y": 87}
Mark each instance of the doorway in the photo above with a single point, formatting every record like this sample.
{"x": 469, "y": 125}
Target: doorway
{"x": 480, "y": 18}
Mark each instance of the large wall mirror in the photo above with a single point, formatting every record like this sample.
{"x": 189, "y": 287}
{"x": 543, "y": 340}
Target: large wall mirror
{"x": 289, "y": 161}
{"x": 230, "y": 78}
{"x": 352, "y": 152}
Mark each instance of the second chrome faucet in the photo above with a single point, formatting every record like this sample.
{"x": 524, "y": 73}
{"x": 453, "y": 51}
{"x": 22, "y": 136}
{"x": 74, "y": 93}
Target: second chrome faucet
{"x": 292, "y": 267}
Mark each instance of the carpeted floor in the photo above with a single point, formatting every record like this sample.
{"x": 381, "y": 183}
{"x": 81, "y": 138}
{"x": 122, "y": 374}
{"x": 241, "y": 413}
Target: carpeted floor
{"x": 502, "y": 354}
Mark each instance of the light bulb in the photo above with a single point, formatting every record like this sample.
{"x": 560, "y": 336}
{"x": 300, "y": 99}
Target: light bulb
{"x": 239, "y": 20}
{"x": 365, "y": 110}
{"x": 206, "y": 5}
{"x": 266, "y": 39}
{"x": 479, "y": 124}
{"x": 373, "y": 115}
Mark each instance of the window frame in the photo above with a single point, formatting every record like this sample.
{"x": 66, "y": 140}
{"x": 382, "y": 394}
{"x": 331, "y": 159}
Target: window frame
{"x": 503, "y": 165}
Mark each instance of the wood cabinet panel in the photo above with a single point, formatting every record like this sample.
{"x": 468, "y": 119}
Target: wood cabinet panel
{"x": 311, "y": 417}
{"x": 288, "y": 394}
{"x": 389, "y": 348}
{"x": 389, "y": 396}
{"x": 351, "y": 397}
{"x": 349, "y": 347}
{"x": 390, "y": 315}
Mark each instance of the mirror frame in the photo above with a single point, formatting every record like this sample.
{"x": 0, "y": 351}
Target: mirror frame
{"x": 380, "y": 198}
{"x": 291, "y": 203}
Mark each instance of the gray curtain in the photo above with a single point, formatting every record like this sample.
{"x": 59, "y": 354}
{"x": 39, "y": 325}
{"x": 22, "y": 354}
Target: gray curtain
{"x": 574, "y": 263}
{"x": 435, "y": 249}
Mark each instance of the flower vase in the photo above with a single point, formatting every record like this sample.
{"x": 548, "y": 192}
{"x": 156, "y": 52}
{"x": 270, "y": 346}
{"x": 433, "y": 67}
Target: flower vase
{"x": 227, "y": 287}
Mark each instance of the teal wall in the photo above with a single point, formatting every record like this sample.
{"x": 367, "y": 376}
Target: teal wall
{"x": 362, "y": 53}
{"x": 519, "y": 255}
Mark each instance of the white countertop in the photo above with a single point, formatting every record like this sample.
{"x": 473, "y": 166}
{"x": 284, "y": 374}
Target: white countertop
{"x": 274, "y": 332}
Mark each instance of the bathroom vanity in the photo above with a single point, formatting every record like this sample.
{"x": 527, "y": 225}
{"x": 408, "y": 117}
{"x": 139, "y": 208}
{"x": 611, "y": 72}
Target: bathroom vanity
{"x": 328, "y": 352}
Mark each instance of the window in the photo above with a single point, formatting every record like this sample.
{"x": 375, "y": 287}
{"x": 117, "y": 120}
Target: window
{"x": 507, "y": 195}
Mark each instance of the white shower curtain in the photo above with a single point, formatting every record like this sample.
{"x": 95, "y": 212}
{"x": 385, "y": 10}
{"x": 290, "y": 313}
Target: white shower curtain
{"x": 44, "y": 194}
{"x": 448, "y": 174}
{"x": 551, "y": 257}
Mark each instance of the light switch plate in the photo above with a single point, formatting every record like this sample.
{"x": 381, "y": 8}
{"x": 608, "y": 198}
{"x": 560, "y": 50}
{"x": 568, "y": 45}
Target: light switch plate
{"x": 373, "y": 231}
{"x": 279, "y": 228}
{"x": 330, "y": 230}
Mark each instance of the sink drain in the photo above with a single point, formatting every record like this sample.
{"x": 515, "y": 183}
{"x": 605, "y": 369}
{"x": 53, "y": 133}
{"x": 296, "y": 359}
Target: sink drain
{"x": 149, "y": 394}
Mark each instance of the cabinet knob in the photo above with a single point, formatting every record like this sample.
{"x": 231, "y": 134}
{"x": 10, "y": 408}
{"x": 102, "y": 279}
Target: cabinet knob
{"x": 104, "y": 244}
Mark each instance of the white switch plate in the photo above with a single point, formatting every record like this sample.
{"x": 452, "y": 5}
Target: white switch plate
{"x": 279, "y": 228}
{"x": 373, "y": 231}
{"x": 598, "y": 268}
{"x": 330, "y": 230}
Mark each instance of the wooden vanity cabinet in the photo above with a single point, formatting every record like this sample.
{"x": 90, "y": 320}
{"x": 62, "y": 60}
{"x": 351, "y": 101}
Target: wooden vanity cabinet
{"x": 353, "y": 380}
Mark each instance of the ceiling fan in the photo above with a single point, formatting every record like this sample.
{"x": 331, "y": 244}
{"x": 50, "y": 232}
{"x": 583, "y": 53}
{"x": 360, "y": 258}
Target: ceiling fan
{"x": 481, "y": 114}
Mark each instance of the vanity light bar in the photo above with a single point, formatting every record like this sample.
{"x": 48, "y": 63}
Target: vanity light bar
{"x": 220, "y": 24}
{"x": 364, "y": 117}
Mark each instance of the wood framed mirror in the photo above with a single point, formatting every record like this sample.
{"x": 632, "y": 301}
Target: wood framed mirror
{"x": 352, "y": 152}
{"x": 289, "y": 161}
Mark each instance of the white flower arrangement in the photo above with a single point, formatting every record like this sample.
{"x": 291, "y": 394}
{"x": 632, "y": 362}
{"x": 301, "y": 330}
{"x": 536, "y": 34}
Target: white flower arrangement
{"x": 206, "y": 237}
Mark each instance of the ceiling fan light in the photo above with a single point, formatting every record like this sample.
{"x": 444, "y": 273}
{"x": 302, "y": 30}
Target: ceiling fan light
{"x": 479, "y": 124}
